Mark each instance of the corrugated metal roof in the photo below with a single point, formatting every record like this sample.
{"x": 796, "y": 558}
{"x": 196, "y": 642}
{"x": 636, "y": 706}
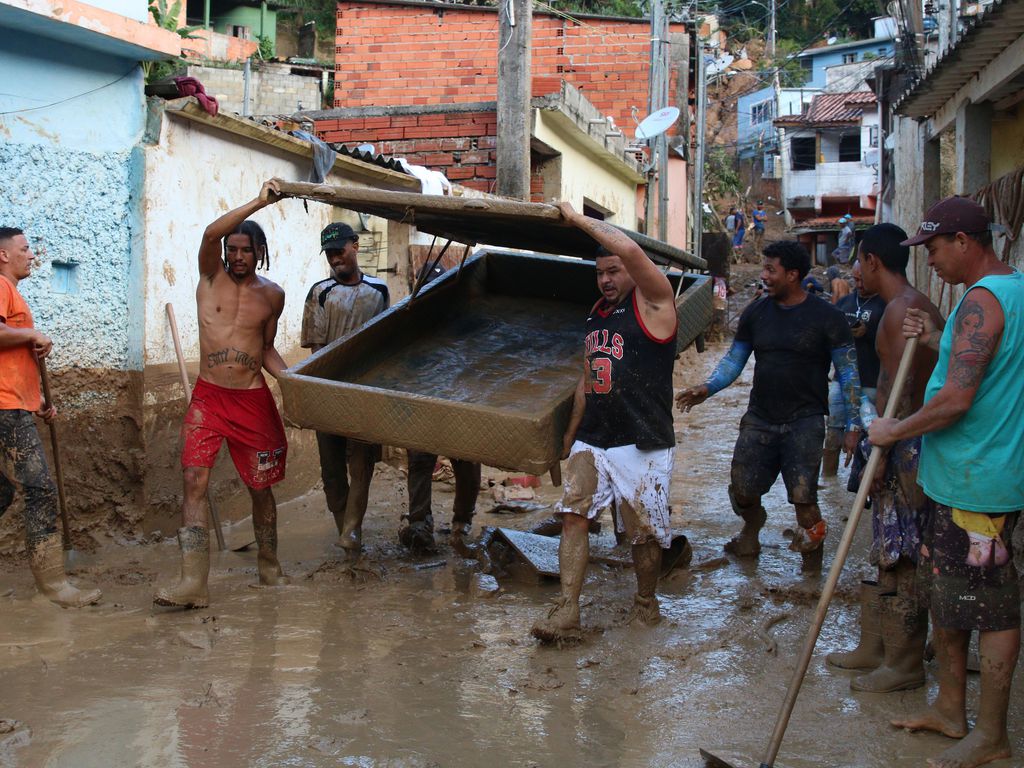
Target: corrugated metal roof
{"x": 987, "y": 36}
{"x": 832, "y": 108}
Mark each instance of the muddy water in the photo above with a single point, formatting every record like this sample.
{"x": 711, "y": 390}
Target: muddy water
{"x": 415, "y": 670}
{"x": 500, "y": 351}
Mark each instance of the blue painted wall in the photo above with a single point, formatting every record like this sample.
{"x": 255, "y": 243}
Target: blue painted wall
{"x": 748, "y": 133}
{"x": 832, "y": 55}
{"x": 70, "y": 124}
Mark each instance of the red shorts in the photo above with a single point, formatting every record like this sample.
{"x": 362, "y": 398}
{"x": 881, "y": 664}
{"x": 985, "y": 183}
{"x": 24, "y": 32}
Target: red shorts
{"x": 248, "y": 420}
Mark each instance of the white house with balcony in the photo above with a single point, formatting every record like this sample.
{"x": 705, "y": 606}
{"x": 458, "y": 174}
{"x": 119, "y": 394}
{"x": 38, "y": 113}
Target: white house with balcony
{"x": 829, "y": 162}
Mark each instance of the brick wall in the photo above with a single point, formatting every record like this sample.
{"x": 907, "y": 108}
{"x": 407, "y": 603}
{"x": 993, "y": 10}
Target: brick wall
{"x": 390, "y": 55}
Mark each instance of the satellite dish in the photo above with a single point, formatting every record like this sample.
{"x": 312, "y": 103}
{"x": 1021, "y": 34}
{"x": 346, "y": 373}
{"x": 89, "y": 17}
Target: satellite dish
{"x": 657, "y": 123}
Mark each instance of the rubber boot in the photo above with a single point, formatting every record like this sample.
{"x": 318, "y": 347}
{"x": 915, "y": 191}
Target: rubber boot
{"x": 418, "y": 536}
{"x": 267, "y": 563}
{"x": 646, "y": 564}
{"x": 904, "y": 631}
{"x": 746, "y": 543}
{"x": 830, "y": 452}
{"x": 562, "y": 624}
{"x": 46, "y": 559}
{"x": 869, "y": 652}
{"x": 191, "y": 590}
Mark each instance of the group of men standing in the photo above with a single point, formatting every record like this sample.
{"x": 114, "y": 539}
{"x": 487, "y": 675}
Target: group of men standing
{"x": 944, "y": 505}
{"x": 949, "y": 492}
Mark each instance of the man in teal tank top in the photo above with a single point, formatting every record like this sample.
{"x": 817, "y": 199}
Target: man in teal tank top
{"x": 972, "y": 467}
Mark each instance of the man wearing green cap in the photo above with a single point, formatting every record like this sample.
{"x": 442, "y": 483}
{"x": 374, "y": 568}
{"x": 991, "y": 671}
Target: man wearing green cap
{"x": 335, "y": 307}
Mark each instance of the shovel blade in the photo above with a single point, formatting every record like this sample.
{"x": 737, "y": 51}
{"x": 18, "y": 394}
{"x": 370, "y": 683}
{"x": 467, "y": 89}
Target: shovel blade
{"x": 714, "y": 761}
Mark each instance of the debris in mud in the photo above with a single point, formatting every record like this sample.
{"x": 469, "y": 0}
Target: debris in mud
{"x": 587, "y": 663}
{"x": 485, "y": 585}
{"x": 14, "y": 734}
{"x": 334, "y": 571}
{"x": 504, "y": 494}
{"x": 353, "y": 717}
{"x": 196, "y": 638}
{"x": 763, "y": 631}
{"x": 548, "y": 681}
{"x": 517, "y": 507}
{"x": 711, "y": 565}
{"x": 210, "y": 697}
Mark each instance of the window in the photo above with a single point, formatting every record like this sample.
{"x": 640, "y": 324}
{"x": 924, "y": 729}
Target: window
{"x": 803, "y": 151}
{"x": 849, "y": 148}
{"x": 872, "y": 135}
{"x": 807, "y": 64}
{"x": 762, "y": 112}
{"x": 769, "y": 166}
{"x": 849, "y": 58}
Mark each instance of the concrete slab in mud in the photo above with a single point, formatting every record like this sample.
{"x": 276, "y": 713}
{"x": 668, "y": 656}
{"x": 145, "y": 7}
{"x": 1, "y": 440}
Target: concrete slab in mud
{"x": 539, "y": 552}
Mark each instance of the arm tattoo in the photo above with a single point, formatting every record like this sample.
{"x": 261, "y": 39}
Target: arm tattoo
{"x": 973, "y": 348}
{"x": 845, "y": 360}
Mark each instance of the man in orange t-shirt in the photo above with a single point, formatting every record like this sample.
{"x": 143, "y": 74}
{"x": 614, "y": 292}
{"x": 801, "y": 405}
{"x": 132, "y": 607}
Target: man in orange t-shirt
{"x": 22, "y": 460}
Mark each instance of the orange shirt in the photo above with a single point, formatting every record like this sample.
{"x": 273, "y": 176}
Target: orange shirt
{"x": 19, "y": 374}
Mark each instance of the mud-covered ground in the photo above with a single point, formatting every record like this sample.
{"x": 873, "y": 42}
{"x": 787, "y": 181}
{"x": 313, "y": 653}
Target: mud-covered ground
{"x": 421, "y": 668}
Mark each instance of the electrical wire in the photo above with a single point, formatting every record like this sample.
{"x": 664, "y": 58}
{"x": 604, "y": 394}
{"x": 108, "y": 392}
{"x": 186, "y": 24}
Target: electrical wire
{"x": 71, "y": 98}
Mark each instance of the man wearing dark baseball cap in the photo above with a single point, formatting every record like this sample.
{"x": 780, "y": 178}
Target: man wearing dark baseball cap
{"x": 972, "y": 468}
{"x": 335, "y": 307}
{"x": 949, "y": 216}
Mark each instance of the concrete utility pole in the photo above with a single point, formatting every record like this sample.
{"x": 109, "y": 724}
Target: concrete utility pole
{"x": 657, "y": 98}
{"x": 515, "y": 36}
{"x": 701, "y": 91}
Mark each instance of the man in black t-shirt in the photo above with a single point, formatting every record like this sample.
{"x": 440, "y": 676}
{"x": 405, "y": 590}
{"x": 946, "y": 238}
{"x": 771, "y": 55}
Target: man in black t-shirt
{"x": 795, "y": 338}
{"x": 863, "y": 312}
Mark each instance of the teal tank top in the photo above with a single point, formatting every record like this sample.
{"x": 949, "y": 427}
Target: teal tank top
{"x": 977, "y": 464}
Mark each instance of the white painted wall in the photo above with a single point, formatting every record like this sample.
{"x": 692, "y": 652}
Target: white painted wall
{"x": 192, "y": 176}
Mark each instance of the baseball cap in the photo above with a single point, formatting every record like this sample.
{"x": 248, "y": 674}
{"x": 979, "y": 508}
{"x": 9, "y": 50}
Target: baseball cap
{"x": 334, "y": 236}
{"x": 949, "y": 216}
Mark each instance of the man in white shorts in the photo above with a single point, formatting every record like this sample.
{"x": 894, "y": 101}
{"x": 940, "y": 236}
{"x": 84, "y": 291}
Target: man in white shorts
{"x": 620, "y": 441}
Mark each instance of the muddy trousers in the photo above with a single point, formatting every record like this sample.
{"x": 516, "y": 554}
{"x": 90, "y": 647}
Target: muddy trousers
{"x": 23, "y": 468}
{"x": 421, "y": 473}
{"x": 346, "y": 467}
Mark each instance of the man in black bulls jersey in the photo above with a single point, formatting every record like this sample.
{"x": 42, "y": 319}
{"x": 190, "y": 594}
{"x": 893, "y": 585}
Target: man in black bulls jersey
{"x": 795, "y": 339}
{"x": 619, "y": 442}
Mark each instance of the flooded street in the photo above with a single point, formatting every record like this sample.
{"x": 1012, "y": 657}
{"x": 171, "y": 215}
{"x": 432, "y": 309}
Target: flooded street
{"x": 421, "y": 669}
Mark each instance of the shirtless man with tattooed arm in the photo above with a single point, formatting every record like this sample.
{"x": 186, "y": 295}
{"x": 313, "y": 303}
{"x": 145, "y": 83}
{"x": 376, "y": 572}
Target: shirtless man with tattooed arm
{"x": 238, "y": 316}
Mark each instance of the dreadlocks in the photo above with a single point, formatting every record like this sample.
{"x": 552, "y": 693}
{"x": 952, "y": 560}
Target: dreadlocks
{"x": 257, "y": 238}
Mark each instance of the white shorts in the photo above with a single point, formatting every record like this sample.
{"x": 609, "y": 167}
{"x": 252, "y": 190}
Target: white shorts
{"x": 635, "y": 481}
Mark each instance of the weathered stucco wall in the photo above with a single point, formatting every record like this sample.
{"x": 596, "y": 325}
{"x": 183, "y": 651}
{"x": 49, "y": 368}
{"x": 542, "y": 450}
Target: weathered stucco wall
{"x": 72, "y": 181}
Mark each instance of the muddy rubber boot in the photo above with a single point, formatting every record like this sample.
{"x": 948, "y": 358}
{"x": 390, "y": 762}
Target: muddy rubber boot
{"x": 267, "y": 563}
{"x": 647, "y": 565}
{"x": 830, "y": 462}
{"x": 746, "y": 543}
{"x": 562, "y": 624}
{"x": 869, "y": 652}
{"x": 830, "y": 452}
{"x": 191, "y": 590}
{"x": 810, "y": 543}
{"x": 351, "y": 538}
{"x": 904, "y": 632}
{"x": 46, "y": 559}
{"x": 418, "y": 536}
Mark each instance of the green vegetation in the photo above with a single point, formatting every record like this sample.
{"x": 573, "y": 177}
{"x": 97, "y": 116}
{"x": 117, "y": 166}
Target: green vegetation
{"x": 167, "y": 18}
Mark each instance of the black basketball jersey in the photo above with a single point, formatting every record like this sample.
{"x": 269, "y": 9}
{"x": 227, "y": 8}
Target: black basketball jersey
{"x": 629, "y": 382}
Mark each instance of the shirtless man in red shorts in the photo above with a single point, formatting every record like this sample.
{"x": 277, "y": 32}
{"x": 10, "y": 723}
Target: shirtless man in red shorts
{"x": 238, "y": 314}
